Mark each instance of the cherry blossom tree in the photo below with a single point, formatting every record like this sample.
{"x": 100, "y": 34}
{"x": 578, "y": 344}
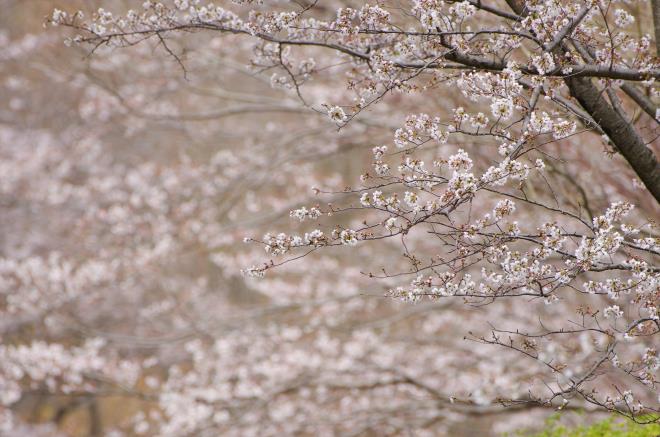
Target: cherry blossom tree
{"x": 498, "y": 253}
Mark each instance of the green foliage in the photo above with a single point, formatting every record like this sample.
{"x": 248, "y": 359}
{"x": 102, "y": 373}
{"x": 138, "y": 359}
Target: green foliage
{"x": 611, "y": 427}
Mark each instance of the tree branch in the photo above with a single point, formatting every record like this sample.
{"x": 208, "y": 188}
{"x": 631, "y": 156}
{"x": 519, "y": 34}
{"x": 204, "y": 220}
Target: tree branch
{"x": 620, "y": 131}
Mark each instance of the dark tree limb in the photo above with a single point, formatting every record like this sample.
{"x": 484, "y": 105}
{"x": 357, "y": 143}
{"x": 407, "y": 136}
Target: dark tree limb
{"x": 618, "y": 129}
{"x": 644, "y": 102}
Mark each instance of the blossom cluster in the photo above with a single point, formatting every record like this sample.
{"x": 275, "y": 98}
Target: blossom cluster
{"x": 489, "y": 195}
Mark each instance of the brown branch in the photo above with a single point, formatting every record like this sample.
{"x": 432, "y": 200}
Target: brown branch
{"x": 644, "y": 102}
{"x": 463, "y": 60}
{"x": 618, "y": 129}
